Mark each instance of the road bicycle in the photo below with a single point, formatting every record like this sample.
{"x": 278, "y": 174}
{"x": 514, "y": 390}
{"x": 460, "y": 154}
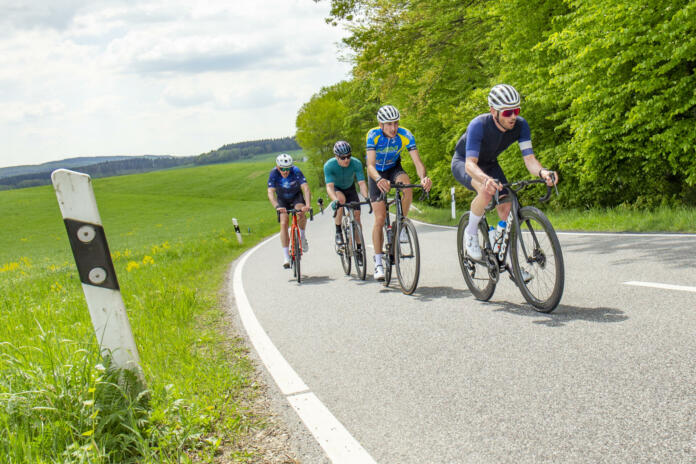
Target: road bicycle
{"x": 351, "y": 232}
{"x": 403, "y": 253}
{"x": 535, "y": 252}
{"x": 295, "y": 241}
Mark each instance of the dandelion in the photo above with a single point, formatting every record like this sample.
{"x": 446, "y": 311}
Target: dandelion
{"x": 13, "y": 266}
{"x": 132, "y": 265}
{"x": 148, "y": 260}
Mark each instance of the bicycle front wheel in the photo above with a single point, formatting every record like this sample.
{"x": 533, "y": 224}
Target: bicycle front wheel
{"x": 297, "y": 251}
{"x": 345, "y": 250}
{"x": 538, "y": 259}
{"x": 388, "y": 259}
{"x": 407, "y": 256}
{"x": 476, "y": 274}
{"x": 359, "y": 253}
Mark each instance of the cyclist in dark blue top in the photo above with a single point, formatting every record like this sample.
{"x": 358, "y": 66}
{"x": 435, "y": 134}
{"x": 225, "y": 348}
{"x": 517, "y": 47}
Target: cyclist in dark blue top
{"x": 475, "y": 162}
{"x": 286, "y": 186}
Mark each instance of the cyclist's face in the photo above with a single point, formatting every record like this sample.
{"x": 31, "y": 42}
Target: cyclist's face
{"x": 506, "y": 122}
{"x": 285, "y": 172}
{"x": 389, "y": 128}
{"x": 343, "y": 160}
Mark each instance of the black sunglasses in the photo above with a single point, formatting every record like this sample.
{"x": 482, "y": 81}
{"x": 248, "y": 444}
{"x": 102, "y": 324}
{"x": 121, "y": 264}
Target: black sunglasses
{"x": 344, "y": 157}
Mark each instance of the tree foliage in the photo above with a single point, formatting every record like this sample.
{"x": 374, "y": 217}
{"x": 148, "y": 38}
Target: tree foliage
{"x": 608, "y": 87}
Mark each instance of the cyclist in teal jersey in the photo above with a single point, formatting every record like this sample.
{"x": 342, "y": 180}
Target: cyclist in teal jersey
{"x": 340, "y": 174}
{"x": 385, "y": 145}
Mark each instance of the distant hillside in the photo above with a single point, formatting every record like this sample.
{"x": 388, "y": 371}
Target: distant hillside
{"x": 107, "y": 166}
{"x": 245, "y": 150}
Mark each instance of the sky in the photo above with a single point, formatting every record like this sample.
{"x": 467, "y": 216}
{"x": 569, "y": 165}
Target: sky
{"x": 158, "y": 77}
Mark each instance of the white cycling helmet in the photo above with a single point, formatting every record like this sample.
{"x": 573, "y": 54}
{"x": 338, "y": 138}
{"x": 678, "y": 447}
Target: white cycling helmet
{"x": 284, "y": 160}
{"x": 341, "y": 148}
{"x": 388, "y": 113}
{"x": 503, "y": 96}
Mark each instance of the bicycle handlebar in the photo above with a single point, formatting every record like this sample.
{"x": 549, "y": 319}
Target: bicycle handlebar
{"x": 519, "y": 185}
{"x": 402, "y": 186}
{"x": 295, "y": 211}
{"x": 351, "y": 204}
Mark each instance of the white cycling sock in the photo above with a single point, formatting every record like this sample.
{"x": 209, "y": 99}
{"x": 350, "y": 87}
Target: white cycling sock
{"x": 286, "y": 253}
{"x": 302, "y": 233}
{"x": 378, "y": 259}
{"x": 473, "y": 223}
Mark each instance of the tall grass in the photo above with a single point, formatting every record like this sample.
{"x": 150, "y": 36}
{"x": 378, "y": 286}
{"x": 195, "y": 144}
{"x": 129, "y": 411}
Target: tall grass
{"x": 171, "y": 239}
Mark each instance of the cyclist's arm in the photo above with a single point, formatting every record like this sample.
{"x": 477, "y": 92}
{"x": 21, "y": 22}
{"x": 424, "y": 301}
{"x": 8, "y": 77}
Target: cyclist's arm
{"x": 480, "y": 177}
{"x": 382, "y": 184}
{"x": 331, "y": 191}
{"x": 273, "y": 199}
{"x": 420, "y": 169}
{"x": 307, "y": 196}
{"x": 363, "y": 188}
{"x": 536, "y": 169}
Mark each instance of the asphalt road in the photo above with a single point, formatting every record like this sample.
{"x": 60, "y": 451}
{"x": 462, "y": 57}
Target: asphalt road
{"x": 439, "y": 377}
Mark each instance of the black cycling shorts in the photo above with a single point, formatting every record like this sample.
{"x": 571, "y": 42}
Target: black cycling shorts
{"x": 351, "y": 195}
{"x": 290, "y": 203}
{"x": 492, "y": 170}
{"x": 390, "y": 174}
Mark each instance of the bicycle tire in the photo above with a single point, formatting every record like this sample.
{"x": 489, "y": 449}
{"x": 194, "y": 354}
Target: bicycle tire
{"x": 483, "y": 285}
{"x": 345, "y": 253}
{"x": 407, "y": 257}
{"x": 361, "y": 271}
{"x": 298, "y": 253}
{"x": 544, "y": 255}
{"x": 387, "y": 262}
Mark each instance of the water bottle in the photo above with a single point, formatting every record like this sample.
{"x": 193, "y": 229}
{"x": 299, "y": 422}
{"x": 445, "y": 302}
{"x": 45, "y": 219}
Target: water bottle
{"x": 491, "y": 235}
{"x": 498, "y": 234}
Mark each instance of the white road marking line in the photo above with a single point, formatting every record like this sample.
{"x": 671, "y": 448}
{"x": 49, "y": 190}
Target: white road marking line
{"x": 682, "y": 288}
{"x": 338, "y": 444}
{"x": 284, "y": 375}
{"x": 336, "y": 441}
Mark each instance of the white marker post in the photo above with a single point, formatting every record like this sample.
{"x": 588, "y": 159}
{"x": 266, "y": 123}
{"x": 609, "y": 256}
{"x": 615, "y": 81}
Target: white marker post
{"x": 78, "y": 206}
{"x": 454, "y": 207}
{"x": 237, "y": 231}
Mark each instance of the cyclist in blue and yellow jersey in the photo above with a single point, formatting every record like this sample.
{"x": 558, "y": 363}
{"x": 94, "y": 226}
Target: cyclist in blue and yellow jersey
{"x": 340, "y": 174}
{"x": 475, "y": 162}
{"x": 286, "y": 186}
{"x": 385, "y": 145}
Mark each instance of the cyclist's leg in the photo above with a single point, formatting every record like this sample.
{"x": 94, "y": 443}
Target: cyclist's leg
{"x": 478, "y": 205}
{"x": 379, "y": 210}
{"x": 496, "y": 172}
{"x": 351, "y": 195}
{"x": 284, "y": 236}
{"x": 341, "y": 199}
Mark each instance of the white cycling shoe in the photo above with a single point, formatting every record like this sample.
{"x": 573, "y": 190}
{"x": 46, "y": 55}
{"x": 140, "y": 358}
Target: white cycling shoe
{"x": 379, "y": 272}
{"x": 305, "y": 245}
{"x": 472, "y": 246}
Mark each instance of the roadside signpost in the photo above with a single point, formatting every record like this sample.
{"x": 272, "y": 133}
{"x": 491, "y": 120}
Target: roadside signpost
{"x": 78, "y": 206}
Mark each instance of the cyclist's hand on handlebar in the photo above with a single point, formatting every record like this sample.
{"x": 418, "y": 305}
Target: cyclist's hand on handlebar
{"x": 427, "y": 183}
{"x": 306, "y": 208}
{"x": 491, "y": 185}
{"x": 551, "y": 177}
{"x": 384, "y": 185}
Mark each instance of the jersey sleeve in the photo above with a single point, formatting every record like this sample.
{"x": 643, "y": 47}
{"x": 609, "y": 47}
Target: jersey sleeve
{"x": 525, "y": 140}
{"x": 410, "y": 142}
{"x": 358, "y": 168}
{"x": 299, "y": 176}
{"x": 328, "y": 175}
{"x": 272, "y": 178}
{"x": 371, "y": 139}
{"x": 474, "y": 136}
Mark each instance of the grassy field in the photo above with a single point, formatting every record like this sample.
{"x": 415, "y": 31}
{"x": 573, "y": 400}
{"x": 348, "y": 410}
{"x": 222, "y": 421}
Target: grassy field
{"x": 171, "y": 238}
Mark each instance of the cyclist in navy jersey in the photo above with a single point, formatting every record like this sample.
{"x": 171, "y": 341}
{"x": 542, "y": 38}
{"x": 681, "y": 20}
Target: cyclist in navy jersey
{"x": 475, "y": 162}
{"x": 286, "y": 186}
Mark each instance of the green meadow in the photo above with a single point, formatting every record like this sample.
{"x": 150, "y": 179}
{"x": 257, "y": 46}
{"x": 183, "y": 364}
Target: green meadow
{"x": 171, "y": 238}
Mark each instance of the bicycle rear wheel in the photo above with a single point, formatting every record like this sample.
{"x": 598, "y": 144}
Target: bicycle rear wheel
{"x": 388, "y": 259}
{"x": 541, "y": 258}
{"x": 476, "y": 275}
{"x": 345, "y": 251}
{"x": 359, "y": 253}
{"x": 407, "y": 256}
{"x": 297, "y": 254}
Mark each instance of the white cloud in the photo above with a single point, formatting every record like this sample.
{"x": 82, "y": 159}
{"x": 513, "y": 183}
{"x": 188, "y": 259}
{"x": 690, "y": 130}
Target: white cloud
{"x": 156, "y": 76}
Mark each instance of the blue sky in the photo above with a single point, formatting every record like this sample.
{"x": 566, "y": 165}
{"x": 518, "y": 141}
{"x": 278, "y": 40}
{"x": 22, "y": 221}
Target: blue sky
{"x": 91, "y": 77}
